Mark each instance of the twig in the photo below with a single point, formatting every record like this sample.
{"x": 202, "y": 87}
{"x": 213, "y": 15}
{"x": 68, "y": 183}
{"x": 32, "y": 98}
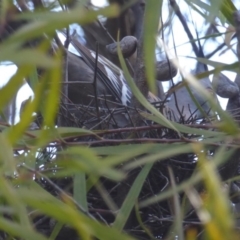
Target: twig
{"x": 185, "y": 26}
{"x": 95, "y": 82}
{"x": 66, "y": 44}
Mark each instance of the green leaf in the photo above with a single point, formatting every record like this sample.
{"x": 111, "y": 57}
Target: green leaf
{"x": 171, "y": 150}
{"x": 64, "y": 132}
{"x": 8, "y": 165}
{"x": 18, "y": 230}
{"x": 83, "y": 159}
{"x": 140, "y": 97}
{"x": 33, "y": 79}
{"x": 29, "y": 57}
{"x": 12, "y": 198}
{"x": 37, "y": 198}
{"x": 152, "y": 15}
{"x": 131, "y": 198}
{"x": 223, "y": 226}
{"x": 56, "y": 231}
{"x": 48, "y": 22}
{"x": 10, "y": 89}
{"x": 227, "y": 9}
{"x": 79, "y": 190}
{"x": 185, "y": 129}
{"x": 52, "y": 100}
{"x": 16, "y": 131}
{"x": 169, "y": 193}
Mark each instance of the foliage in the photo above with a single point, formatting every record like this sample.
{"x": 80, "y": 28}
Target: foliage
{"x": 65, "y": 177}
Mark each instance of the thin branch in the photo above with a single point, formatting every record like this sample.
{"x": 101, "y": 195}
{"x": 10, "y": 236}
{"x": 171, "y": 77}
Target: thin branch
{"x": 185, "y": 26}
{"x": 95, "y": 82}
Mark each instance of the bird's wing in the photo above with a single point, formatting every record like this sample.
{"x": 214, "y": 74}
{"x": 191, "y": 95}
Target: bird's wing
{"x": 109, "y": 74}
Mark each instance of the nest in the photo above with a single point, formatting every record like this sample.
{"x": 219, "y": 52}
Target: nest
{"x": 158, "y": 217}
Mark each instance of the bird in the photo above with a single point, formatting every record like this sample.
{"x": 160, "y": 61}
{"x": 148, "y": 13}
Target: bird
{"x": 110, "y": 80}
{"x": 111, "y": 87}
{"x": 183, "y": 108}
